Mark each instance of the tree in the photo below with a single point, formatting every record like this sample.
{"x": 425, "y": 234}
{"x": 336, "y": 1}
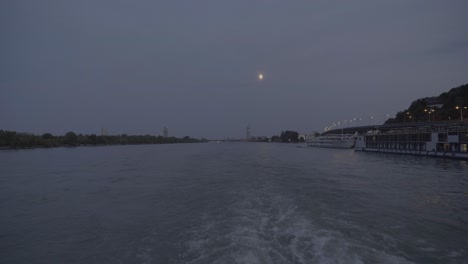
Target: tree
{"x": 70, "y": 139}
{"x": 92, "y": 139}
{"x": 417, "y": 112}
{"x": 47, "y": 136}
{"x": 289, "y": 136}
{"x": 275, "y": 139}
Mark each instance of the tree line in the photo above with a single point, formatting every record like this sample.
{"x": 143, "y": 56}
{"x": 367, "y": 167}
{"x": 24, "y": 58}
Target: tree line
{"x": 287, "y": 136}
{"x": 15, "y": 140}
{"x": 420, "y": 110}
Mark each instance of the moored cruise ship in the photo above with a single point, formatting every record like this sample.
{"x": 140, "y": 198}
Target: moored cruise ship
{"x": 332, "y": 140}
{"x": 435, "y": 141}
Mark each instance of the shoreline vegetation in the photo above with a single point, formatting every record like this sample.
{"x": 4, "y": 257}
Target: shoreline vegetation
{"x": 445, "y": 107}
{"x": 17, "y": 140}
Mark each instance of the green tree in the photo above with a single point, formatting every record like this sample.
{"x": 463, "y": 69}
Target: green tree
{"x": 92, "y": 139}
{"x": 70, "y": 139}
{"x": 47, "y": 136}
{"x": 289, "y": 136}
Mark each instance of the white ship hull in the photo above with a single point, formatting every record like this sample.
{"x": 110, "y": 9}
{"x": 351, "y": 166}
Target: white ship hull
{"x": 332, "y": 141}
{"x": 345, "y": 143}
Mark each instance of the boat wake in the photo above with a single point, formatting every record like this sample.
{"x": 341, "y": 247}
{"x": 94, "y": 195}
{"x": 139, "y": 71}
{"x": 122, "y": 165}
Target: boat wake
{"x": 263, "y": 228}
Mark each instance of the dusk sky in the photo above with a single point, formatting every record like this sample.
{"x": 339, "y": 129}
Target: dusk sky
{"x": 136, "y": 66}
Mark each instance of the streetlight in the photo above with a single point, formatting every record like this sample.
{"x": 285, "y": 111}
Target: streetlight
{"x": 407, "y": 114}
{"x": 384, "y": 118}
{"x": 461, "y": 111}
{"x": 429, "y": 111}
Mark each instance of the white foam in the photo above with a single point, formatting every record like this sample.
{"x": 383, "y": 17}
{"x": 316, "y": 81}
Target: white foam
{"x": 264, "y": 228}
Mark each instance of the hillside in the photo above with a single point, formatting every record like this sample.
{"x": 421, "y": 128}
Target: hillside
{"x": 437, "y": 108}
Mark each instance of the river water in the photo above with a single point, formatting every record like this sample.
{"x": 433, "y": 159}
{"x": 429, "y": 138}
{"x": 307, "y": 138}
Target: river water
{"x": 230, "y": 203}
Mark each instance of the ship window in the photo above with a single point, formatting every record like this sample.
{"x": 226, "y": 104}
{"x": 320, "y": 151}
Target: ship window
{"x": 464, "y": 148}
{"x": 440, "y": 146}
{"x": 442, "y": 137}
{"x": 463, "y": 137}
{"x": 427, "y": 137}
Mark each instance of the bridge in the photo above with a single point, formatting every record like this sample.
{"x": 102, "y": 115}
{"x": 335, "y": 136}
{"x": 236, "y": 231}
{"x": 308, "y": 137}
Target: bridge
{"x": 387, "y": 127}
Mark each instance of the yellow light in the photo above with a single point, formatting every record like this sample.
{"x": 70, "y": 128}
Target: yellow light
{"x": 260, "y": 76}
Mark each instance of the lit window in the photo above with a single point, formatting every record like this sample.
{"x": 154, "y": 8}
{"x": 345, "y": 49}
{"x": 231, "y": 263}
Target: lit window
{"x": 464, "y": 147}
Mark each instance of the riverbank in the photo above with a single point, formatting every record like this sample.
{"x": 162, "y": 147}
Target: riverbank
{"x": 15, "y": 140}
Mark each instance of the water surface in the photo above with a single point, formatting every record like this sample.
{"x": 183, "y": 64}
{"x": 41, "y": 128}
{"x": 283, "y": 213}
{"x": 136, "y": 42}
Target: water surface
{"x": 230, "y": 203}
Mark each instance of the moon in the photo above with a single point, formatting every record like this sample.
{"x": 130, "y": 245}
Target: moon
{"x": 260, "y": 76}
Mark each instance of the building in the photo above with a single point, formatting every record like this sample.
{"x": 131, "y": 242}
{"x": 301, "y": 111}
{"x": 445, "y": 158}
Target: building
{"x": 248, "y": 132}
{"x": 165, "y": 132}
{"x": 104, "y": 132}
{"x": 433, "y": 102}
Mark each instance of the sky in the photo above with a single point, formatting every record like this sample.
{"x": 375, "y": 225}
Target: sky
{"x": 137, "y": 66}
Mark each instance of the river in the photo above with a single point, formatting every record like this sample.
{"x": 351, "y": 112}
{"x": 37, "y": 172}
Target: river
{"x": 230, "y": 203}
